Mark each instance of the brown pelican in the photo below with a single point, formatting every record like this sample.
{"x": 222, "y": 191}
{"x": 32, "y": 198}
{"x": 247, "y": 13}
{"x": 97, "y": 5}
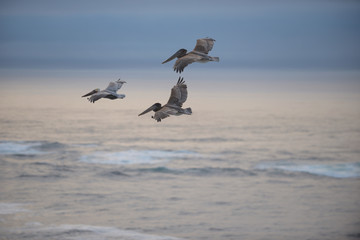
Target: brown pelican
{"x": 109, "y": 92}
{"x": 173, "y": 106}
{"x": 199, "y": 54}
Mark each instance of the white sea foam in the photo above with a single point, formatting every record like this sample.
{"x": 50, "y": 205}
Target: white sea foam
{"x": 339, "y": 170}
{"x": 21, "y": 148}
{"x": 11, "y": 208}
{"x": 136, "y": 156}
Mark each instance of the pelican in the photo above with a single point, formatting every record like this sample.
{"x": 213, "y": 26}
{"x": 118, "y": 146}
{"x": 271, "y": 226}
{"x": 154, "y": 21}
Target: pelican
{"x": 173, "y": 106}
{"x": 109, "y": 92}
{"x": 199, "y": 54}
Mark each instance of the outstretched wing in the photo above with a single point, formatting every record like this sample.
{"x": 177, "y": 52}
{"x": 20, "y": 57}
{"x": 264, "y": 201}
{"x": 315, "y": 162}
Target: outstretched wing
{"x": 181, "y": 63}
{"x": 97, "y": 96}
{"x": 204, "y": 45}
{"x": 114, "y": 86}
{"x": 178, "y": 93}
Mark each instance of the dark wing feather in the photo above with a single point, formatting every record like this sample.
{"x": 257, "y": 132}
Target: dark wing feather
{"x": 110, "y": 96}
{"x": 178, "y": 93}
{"x": 181, "y": 63}
{"x": 160, "y": 115}
{"x": 95, "y": 97}
{"x": 204, "y": 45}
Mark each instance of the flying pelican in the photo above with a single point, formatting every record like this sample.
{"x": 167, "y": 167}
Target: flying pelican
{"x": 109, "y": 92}
{"x": 173, "y": 106}
{"x": 199, "y": 54}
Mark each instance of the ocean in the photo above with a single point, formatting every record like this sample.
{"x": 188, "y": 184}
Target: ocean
{"x": 254, "y": 166}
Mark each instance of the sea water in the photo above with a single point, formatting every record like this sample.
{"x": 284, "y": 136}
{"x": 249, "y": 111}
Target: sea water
{"x": 286, "y": 169}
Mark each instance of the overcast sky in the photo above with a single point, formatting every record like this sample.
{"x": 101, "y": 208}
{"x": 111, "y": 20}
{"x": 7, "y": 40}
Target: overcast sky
{"x": 88, "y": 34}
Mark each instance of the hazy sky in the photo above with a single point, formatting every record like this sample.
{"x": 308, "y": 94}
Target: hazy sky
{"x": 89, "y": 34}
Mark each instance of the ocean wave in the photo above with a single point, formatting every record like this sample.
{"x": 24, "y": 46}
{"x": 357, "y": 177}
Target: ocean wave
{"x": 28, "y": 148}
{"x": 44, "y": 176}
{"x": 115, "y": 173}
{"x": 11, "y": 208}
{"x": 136, "y": 157}
{"x": 205, "y": 171}
{"x": 339, "y": 170}
{"x": 19, "y": 148}
{"x": 195, "y": 140}
{"x": 50, "y": 146}
{"x": 76, "y": 232}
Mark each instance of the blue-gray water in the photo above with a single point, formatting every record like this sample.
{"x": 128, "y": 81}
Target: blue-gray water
{"x": 262, "y": 171}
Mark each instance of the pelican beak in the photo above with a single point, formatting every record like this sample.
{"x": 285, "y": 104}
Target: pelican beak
{"x": 152, "y": 108}
{"x": 90, "y": 93}
{"x": 178, "y": 54}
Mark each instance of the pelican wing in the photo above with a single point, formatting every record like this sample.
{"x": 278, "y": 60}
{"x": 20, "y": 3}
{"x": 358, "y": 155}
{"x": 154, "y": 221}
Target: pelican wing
{"x": 101, "y": 94}
{"x": 204, "y": 45}
{"x": 164, "y": 112}
{"x": 181, "y": 63}
{"x": 160, "y": 115}
{"x": 178, "y": 93}
{"x": 114, "y": 86}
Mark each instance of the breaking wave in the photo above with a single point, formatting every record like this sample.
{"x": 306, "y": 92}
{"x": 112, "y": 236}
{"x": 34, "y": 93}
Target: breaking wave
{"x": 19, "y": 148}
{"x": 136, "y": 157}
{"x": 74, "y": 232}
{"x": 206, "y": 171}
{"x": 340, "y": 170}
{"x": 11, "y": 208}
{"x": 25, "y": 148}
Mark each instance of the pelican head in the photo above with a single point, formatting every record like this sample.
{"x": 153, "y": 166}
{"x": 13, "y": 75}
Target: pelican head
{"x": 120, "y": 81}
{"x": 210, "y": 39}
{"x": 96, "y": 90}
{"x": 155, "y": 107}
{"x": 178, "y": 54}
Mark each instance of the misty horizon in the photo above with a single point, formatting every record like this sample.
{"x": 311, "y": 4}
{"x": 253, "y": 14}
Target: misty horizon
{"x": 278, "y": 35}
